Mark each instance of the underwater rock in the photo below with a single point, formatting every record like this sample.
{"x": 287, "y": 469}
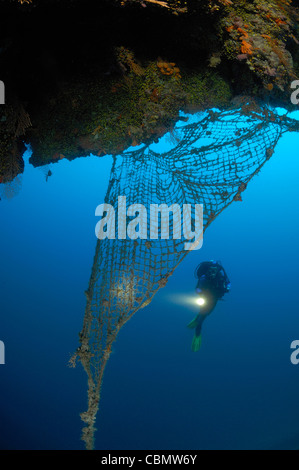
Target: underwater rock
{"x": 14, "y": 121}
{"x": 124, "y": 82}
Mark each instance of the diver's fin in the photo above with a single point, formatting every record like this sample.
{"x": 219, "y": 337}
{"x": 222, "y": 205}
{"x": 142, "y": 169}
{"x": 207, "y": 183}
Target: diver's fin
{"x": 196, "y": 343}
{"x": 193, "y": 324}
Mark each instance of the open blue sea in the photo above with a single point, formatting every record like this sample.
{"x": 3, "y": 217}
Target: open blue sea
{"x": 240, "y": 391}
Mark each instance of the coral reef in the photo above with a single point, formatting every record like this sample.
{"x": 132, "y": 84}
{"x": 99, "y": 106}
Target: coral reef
{"x": 134, "y": 65}
{"x": 260, "y": 33}
{"x": 14, "y": 122}
{"x": 140, "y": 104}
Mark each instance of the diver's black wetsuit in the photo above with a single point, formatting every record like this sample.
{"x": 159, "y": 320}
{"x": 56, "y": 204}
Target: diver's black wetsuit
{"x": 212, "y": 276}
{"x": 213, "y": 283}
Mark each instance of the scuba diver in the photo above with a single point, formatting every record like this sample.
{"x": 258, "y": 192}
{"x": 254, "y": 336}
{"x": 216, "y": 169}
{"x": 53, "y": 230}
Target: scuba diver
{"x": 213, "y": 283}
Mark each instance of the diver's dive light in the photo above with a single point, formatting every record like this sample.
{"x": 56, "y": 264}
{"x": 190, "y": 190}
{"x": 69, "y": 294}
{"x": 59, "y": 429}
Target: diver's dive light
{"x": 201, "y": 301}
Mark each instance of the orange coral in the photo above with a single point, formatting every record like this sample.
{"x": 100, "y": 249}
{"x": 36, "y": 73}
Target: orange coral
{"x": 155, "y": 95}
{"x": 226, "y": 2}
{"x": 97, "y": 131}
{"x": 246, "y": 48}
{"x": 169, "y": 68}
{"x": 244, "y": 33}
{"x": 279, "y": 21}
{"x": 115, "y": 88}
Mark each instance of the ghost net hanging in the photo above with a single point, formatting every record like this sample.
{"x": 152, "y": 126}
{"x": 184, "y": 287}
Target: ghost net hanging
{"x": 211, "y": 164}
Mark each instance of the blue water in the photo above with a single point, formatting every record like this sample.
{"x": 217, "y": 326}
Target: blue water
{"x": 239, "y": 392}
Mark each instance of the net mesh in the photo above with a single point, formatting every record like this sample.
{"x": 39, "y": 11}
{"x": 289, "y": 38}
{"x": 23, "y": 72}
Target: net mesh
{"x": 212, "y": 162}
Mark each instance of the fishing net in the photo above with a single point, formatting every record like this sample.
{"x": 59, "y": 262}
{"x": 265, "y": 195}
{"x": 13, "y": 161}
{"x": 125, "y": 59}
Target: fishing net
{"x": 12, "y": 188}
{"x": 212, "y": 162}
